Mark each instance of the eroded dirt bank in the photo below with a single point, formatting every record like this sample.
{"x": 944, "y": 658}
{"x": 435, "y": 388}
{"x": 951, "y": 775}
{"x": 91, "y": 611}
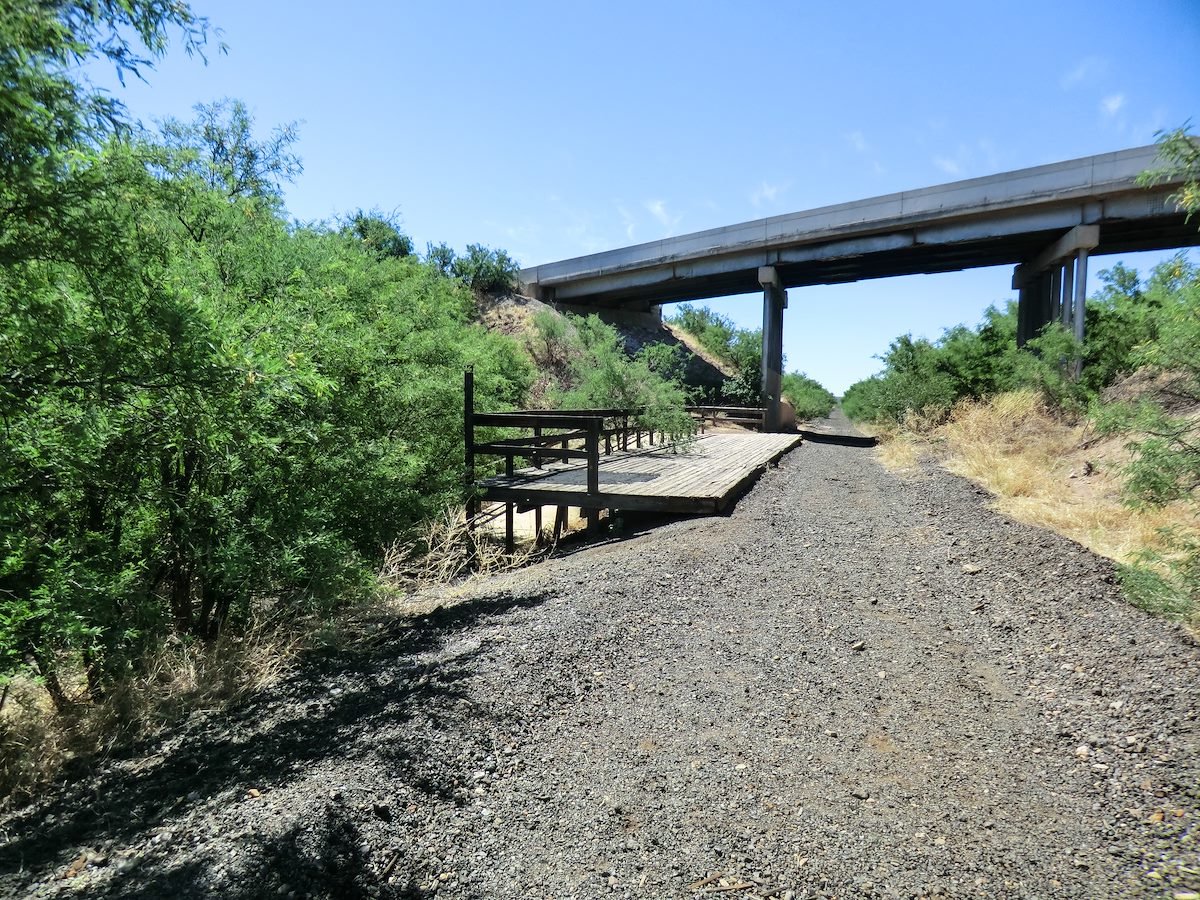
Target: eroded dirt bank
{"x": 852, "y": 686}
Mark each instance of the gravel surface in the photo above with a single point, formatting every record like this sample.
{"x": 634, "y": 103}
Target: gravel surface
{"x": 855, "y": 685}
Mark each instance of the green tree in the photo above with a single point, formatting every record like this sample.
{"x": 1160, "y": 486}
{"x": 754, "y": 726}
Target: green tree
{"x": 219, "y": 147}
{"x": 213, "y": 413}
{"x": 807, "y": 396}
{"x": 485, "y": 271}
{"x": 52, "y": 118}
{"x": 380, "y": 234}
{"x": 1179, "y": 152}
{"x": 599, "y": 374}
{"x": 738, "y": 348}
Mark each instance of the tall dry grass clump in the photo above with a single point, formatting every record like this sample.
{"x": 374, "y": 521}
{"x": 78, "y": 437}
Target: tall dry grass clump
{"x": 38, "y": 742}
{"x": 450, "y": 547}
{"x": 1047, "y": 471}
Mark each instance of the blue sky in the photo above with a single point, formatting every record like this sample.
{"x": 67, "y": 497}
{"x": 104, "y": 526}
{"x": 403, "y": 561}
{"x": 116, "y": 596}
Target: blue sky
{"x": 556, "y": 129}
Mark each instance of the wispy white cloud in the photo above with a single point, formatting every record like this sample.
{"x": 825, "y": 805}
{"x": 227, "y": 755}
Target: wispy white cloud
{"x": 575, "y": 230}
{"x": 1111, "y": 105}
{"x": 989, "y": 153}
{"x": 767, "y": 193}
{"x": 1086, "y": 70}
{"x": 858, "y": 141}
{"x": 948, "y": 165}
{"x": 627, "y": 221}
{"x": 658, "y": 209}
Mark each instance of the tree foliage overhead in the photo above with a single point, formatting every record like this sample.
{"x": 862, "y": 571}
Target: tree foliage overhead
{"x": 51, "y": 118}
{"x": 1179, "y": 152}
{"x": 219, "y": 147}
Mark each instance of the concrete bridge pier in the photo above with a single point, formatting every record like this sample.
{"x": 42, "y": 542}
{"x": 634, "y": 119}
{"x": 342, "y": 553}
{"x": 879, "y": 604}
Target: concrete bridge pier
{"x": 1053, "y": 286}
{"x": 774, "y": 303}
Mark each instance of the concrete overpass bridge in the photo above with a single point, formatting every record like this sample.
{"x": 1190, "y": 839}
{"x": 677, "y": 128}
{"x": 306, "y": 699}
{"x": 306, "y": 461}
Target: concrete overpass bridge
{"x": 1045, "y": 220}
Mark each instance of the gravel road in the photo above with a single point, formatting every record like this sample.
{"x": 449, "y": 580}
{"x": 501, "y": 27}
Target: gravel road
{"x": 855, "y": 685}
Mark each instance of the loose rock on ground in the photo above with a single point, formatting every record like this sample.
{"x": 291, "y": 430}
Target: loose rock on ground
{"x": 855, "y": 685}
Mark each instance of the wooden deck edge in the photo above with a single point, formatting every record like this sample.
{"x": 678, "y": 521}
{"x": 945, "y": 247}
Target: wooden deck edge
{"x": 752, "y": 475}
{"x": 529, "y": 498}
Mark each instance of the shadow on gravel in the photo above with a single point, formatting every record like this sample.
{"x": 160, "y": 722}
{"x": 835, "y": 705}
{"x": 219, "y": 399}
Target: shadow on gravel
{"x": 327, "y": 856}
{"x": 842, "y": 440}
{"x": 325, "y": 711}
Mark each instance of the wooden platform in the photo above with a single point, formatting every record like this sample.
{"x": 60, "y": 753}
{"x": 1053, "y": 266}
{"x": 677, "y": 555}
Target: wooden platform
{"x": 703, "y": 477}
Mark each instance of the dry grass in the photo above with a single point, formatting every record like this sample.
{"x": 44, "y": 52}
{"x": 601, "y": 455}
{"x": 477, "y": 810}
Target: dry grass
{"x": 1055, "y": 475}
{"x": 39, "y": 743}
{"x": 450, "y": 548}
{"x": 1042, "y": 471}
{"x": 900, "y": 451}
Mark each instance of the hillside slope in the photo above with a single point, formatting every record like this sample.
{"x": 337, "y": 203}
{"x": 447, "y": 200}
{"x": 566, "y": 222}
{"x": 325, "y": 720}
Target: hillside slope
{"x": 512, "y": 314}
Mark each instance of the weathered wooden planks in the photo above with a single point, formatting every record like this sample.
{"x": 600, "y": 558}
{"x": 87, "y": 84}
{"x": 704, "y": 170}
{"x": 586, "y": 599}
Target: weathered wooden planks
{"x": 702, "y": 478}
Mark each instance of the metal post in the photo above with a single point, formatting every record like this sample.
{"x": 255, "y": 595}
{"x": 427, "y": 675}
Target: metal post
{"x": 510, "y": 544}
{"x": 593, "y": 456}
{"x": 1054, "y": 307}
{"x": 469, "y": 440}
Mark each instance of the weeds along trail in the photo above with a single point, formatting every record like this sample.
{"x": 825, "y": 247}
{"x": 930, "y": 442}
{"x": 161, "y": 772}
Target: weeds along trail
{"x": 1054, "y": 474}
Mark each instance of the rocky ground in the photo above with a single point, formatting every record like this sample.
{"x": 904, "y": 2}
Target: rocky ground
{"x": 853, "y": 686}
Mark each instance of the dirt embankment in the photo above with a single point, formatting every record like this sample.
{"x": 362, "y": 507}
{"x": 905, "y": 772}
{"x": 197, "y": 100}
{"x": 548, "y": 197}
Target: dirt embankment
{"x": 855, "y": 685}
{"x": 513, "y": 315}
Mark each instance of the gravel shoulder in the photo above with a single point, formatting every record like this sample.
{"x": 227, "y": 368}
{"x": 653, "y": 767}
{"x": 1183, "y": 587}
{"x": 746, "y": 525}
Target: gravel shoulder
{"x": 853, "y": 685}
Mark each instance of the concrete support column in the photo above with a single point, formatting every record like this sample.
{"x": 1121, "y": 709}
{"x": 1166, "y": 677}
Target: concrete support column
{"x": 1024, "y": 304}
{"x": 1035, "y": 304}
{"x": 1080, "y": 303}
{"x": 774, "y": 303}
{"x": 1054, "y": 307}
{"x": 1046, "y": 282}
{"x": 1080, "y": 293}
{"x": 1068, "y": 291}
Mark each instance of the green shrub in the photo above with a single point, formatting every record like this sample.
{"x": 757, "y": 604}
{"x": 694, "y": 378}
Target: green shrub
{"x": 808, "y": 397}
{"x": 212, "y": 412}
{"x": 600, "y": 374}
{"x": 380, "y": 234}
{"x": 486, "y": 271}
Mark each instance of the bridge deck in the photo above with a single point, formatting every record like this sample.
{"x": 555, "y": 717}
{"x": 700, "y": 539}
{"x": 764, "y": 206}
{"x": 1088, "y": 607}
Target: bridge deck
{"x": 703, "y": 478}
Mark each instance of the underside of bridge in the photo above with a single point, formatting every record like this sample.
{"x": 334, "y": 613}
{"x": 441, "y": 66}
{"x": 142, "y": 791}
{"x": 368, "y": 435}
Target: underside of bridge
{"x": 1046, "y": 221}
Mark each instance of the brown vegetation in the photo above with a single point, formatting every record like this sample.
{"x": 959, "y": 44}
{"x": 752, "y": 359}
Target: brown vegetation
{"x": 1044, "y": 471}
